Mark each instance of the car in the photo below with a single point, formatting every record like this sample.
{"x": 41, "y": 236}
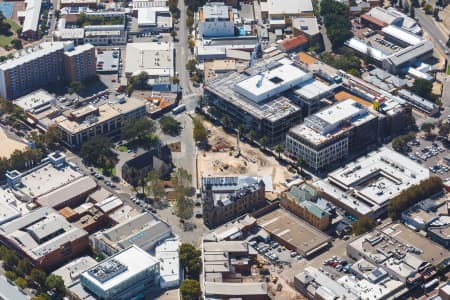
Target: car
{"x": 294, "y": 254}
{"x": 339, "y": 268}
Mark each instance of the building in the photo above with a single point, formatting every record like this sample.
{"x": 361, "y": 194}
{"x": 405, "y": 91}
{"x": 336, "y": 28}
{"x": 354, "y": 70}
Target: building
{"x": 365, "y": 186}
{"x": 53, "y": 183}
{"x": 79, "y": 63}
{"x": 418, "y": 102}
{"x": 154, "y": 19}
{"x": 439, "y": 231}
{"x": 307, "y": 26}
{"x": 122, "y": 276}
{"x": 294, "y": 44}
{"x": 37, "y": 67}
{"x": 79, "y": 3}
{"x": 147, "y": 3}
{"x": 159, "y": 159}
{"x": 70, "y": 272}
{"x": 294, "y": 233}
{"x": 226, "y": 47}
{"x": 45, "y": 238}
{"x": 225, "y": 264}
{"x": 330, "y": 135}
{"x": 257, "y": 97}
{"x": 167, "y": 253}
{"x": 300, "y": 201}
{"x": 77, "y": 126}
{"x": 112, "y": 32}
{"x": 9, "y": 207}
{"x": 215, "y": 19}
{"x": 279, "y": 13}
{"x": 379, "y": 16}
{"x": 225, "y": 198}
{"x": 142, "y": 229}
{"x": 36, "y": 102}
{"x": 421, "y": 215}
{"x": 30, "y": 19}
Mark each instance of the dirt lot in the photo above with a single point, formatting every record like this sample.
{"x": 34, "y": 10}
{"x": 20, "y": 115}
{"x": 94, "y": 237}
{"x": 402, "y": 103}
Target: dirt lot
{"x": 8, "y": 145}
{"x": 220, "y": 160}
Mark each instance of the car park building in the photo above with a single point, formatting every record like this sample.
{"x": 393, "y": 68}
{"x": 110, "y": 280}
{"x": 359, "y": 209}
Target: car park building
{"x": 255, "y": 97}
{"x": 365, "y": 186}
{"x": 143, "y": 229}
{"x": 78, "y": 126}
{"x": 123, "y": 276}
{"x": 225, "y": 198}
{"x": 331, "y": 134}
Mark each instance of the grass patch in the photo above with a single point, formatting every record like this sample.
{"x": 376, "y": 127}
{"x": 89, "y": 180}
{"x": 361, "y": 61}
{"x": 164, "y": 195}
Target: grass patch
{"x": 122, "y": 148}
{"x": 448, "y": 70}
{"x": 5, "y": 40}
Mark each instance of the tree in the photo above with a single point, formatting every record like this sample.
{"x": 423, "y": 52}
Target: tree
{"x": 444, "y": 129}
{"x": 173, "y": 34}
{"x": 23, "y": 267}
{"x": 190, "y": 290}
{"x": 170, "y": 126}
{"x": 363, "y": 225}
{"x": 17, "y": 44}
{"x": 264, "y": 141}
{"x": 138, "y": 82}
{"x": 136, "y": 130}
{"x": 190, "y": 259}
{"x": 21, "y": 283}
{"x": 199, "y": 131}
{"x": 182, "y": 181}
{"x": 41, "y": 296}
{"x": 191, "y": 65}
{"x": 37, "y": 276}
{"x": 189, "y": 21}
{"x": 55, "y": 283}
{"x": 336, "y": 21}
{"x": 52, "y": 137}
{"x": 422, "y": 87}
{"x": 226, "y": 121}
{"x": 278, "y": 149}
{"x": 155, "y": 186}
{"x": 448, "y": 43}
{"x": 427, "y": 127}
{"x": 428, "y": 9}
{"x": 133, "y": 177}
{"x": 97, "y": 150}
{"x": 252, "y": 135}
{"x": 299, "y": 164}
{"x": 399, "y": 142}
{"x": 76, "y": 87}
{"x": 10, "y": 260}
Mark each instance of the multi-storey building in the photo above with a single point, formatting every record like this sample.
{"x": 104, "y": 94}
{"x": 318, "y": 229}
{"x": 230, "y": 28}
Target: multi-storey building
{"x": 42, "y": 65}
{"x": 79, "y": 125}
{"x": 79, "y": 63}
{"x": 225, "y": 198}
{"x": 216, "y": 20}
{"x": 332, "y": 133}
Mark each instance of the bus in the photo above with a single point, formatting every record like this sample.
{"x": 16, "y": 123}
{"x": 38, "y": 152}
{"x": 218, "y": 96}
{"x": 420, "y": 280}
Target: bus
{"x": 179, "y": 109}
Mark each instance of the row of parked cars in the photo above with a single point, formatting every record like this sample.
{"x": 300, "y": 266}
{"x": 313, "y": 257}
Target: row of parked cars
{"x": 338, "y": 264}
{"x": 268, "y": 250}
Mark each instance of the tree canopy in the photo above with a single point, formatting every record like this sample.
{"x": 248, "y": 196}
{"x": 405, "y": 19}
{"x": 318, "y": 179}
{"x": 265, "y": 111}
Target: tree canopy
{"x": 190, "y": 290}
{"x": 136, "y": 130}
{"x": 97, "y": 151}
{"x": 423, "y": 88}
{"x": 170, "y": 126}
{"x": 363, "y": 225}
{"x": 190, "y": 258}
{"x": 336, "y": 21}
{"x": 199, "y": 131}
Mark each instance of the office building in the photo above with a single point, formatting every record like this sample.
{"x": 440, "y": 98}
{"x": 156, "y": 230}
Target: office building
{"x": 331, "y": 134}
{"x": 70, "y": 272}
{"x": 142, "y": 229}
{"x": 79, "y": 63}
{"x": 123, "y": 276}
{"x": 226, "y": 198}
{"x": 300, "y": 201}
{"x": 159, "y": 159}
{"x": 42, "y": 65}
{"x": 215, "y": 20}
{"x": 45, "y": 238}
{"x": 77, "y": 126}
{"x": 365, "y": 186}
{"x": 257, "y": 97}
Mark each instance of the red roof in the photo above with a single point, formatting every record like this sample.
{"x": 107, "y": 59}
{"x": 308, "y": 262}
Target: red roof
{"x": 293, "y": 42}
{"x": 373, "y": 20}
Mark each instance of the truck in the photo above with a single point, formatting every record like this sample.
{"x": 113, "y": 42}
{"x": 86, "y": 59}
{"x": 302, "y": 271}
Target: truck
{"x": 179, "y": 109}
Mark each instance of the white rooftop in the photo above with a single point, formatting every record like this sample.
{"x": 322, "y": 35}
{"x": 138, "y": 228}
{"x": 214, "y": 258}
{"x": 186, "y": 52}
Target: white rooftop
{"x": 133, "y": 258}
{"x": 272, "y": 82}
{"x": 71, "y": 271}
{"x": 79, "y": 49}
{"x": 289, "y": 7}
{"x": 169, "y": 262}
{"x": 340, "y": 111}
{"x": 402, "y": 35}
{"x": 215, "y": 10}
{"x": 8, "y": 209}
{"x": 35, "y": 99}
{"x": 149, "y": 57}
{"x": 32, "y": 13}
{"x": 148, "y": 16}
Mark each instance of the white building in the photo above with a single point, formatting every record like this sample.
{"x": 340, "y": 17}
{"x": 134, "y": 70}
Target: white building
{"x": 279, "y": 13}
{"x": 36, "y": 102}
{"x": 365, "y": 186}
{"x": 216, "y": 20}
{"x": 391, "y": 16}
{"x": 167, "y": 253}
{"x": 30, "y": 18}
{"x": 154, "y": 19}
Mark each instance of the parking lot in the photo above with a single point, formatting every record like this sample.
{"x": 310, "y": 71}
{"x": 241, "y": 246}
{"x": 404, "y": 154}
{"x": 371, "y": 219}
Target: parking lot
{"x": 431, "y": 154}
{"x": 275, "y": 253}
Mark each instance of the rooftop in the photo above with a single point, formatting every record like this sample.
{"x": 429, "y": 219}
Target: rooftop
{"x": 293, "y": 230}
{"x": 215, "y": 10}
{"x": 79, "y": 49}
{"x": 285, "y": 7}
{"x": 35, "y": 101}
{"x": 9, "y": 208}
{"x": 235, "y": 289}
{"x": 70, "y": 272}
{"x": 307, "y": 25}
{"x": 154, "y": 58}
{"x": 118, "y": 268}
{"x": 294, "y": 42}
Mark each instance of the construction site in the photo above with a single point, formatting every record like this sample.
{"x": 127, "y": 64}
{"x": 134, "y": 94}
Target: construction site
{"x": 228, "y": 157}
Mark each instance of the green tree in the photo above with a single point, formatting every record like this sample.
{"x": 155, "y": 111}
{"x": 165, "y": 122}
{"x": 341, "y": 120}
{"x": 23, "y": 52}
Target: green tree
{"x": 133, "y": 176}
{"x": 23, "y": 267}
{"x": 21, "y": 283}
{"x": 190, "y": 259}
{"x": 41, "y": 296}
{"x": 10, "y": 260}
{"x": 448, "y": 43}
{"x": 191, "y": 65}
{"x": 428, "y": 9}
{"x": 422, "y": 87}
{"x": 96, "y": 149}
{"x": 138, "y": 82}
{"x": 189, "y": 21}
{"x": 136, "y": 130}
{"x": 17, "y": 44}
{"x": 155, "y": 186}
{"x": 52, "y": 137}
{"x": 363, "y": 225}
{"x": 444, "y": 129}
{"x": 190, "y": 290}
{"x": 299, "y": 164}
{"x": 412, "y": 12}
{"x": 199, "y": 131}
{"x": 11, "y": 275}
{"x": 226, "y": 121}
{"x": 37, "y": 276}
{"x": 76, "y": 87}
{"x": 55, "y": 283}
{"x": 173, "y": 34}
{"x": 336, "y": 21}
{"x": 170, "y": 126}
{"x": 278, "y": 149}
{"x": 252, "y": 135}
{"x": 264, "y": 141}
{"x": 427, "y": 127}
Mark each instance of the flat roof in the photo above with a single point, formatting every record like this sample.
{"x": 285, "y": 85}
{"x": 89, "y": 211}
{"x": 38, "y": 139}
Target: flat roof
{"x": 8, "y": 209}
{"x": 156, "y": 58}
{"x": 70, "y": 272}
{"x": 32, "y": 14}
{"x": 70, "y": 33}
{"x": 46, "y": 178}
{"x": 215, "y": 10}
{"x": 235, "y": 289}
{"x": 307, "y": 25}
{"x": 152, "y": 16}
{"x": 402, "y": 35}
{"x": 134, "y": 259}
{"x": 286, "y": 7}
{"x": 79, "y": 49}
{"x": 339, "y": 112}
{"x": 35, "y": 99}
{"x": 294, "y": 230}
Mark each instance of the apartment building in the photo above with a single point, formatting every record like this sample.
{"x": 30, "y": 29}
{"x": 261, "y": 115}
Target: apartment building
{"x": 42, "y": 65}
{"x": 79, "y": 125}
{"x": 226, "y": 198}
{"x": 79, "y": 63}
